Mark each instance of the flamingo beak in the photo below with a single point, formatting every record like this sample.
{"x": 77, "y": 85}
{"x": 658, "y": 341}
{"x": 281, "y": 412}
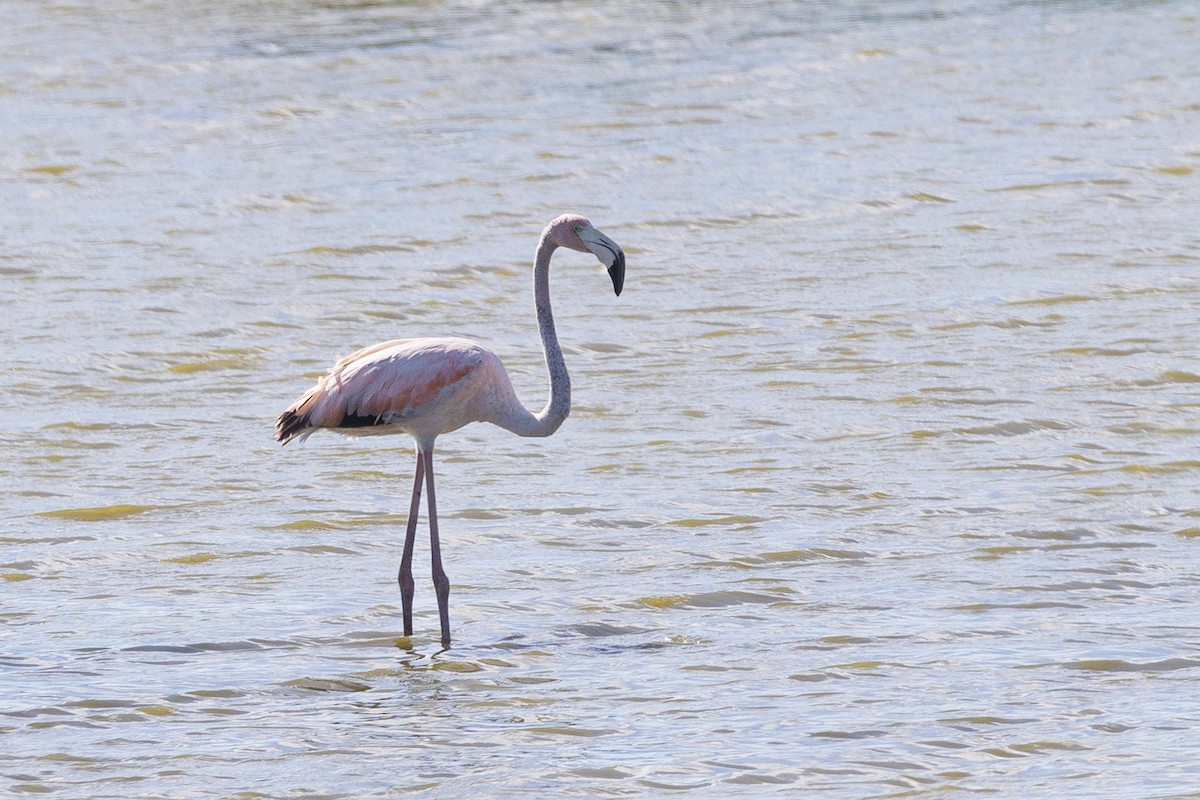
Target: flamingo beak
{"x": 609, "y": 253}
{"x": 617, "y": 272}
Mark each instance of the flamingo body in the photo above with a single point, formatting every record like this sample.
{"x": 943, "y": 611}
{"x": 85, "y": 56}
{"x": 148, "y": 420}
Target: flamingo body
{"x": 427, "y": 387}
{"x": 422, "y": 387}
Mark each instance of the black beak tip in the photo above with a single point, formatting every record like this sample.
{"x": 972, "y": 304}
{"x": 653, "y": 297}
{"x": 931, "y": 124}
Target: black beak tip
{"x": 617, "y": 273}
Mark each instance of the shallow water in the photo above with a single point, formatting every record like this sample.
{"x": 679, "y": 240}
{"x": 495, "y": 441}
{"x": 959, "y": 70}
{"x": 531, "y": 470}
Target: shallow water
{"x": 881, "y": 478}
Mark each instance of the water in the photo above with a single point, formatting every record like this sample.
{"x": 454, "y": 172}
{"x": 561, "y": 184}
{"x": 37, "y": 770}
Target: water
{"x": 881, "y": 478}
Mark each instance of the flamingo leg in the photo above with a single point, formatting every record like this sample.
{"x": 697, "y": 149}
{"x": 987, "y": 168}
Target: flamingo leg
{"x": 441, "y": 583}
{"x": 407, "y": 586}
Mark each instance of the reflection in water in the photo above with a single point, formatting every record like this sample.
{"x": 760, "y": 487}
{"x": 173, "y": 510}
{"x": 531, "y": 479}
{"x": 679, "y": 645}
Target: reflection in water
{"x": 880, "y": 479}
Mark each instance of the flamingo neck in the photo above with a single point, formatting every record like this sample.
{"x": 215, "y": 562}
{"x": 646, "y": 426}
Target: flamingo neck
{"x": 548, "y": 420}
{"x": 559, "y": 405}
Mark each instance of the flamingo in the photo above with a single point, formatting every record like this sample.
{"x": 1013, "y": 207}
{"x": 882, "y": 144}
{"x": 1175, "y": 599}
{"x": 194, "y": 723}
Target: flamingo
{"x": 430, "y": 386}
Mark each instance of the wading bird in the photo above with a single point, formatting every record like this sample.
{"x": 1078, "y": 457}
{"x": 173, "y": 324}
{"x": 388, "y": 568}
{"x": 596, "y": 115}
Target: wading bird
{"x": 426, "y": 387}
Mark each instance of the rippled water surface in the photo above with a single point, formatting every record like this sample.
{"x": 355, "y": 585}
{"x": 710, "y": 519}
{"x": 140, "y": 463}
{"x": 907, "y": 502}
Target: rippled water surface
{"x": 882, "y": 474}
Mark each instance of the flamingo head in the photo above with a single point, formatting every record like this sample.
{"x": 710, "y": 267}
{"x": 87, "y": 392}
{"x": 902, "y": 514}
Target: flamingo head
{"x": 577, "y": 233}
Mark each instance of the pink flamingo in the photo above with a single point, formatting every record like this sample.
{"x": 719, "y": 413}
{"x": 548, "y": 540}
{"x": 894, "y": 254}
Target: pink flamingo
{"x": 426, "y": 387}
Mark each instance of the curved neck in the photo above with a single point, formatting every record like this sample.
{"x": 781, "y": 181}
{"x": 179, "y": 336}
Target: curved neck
{"x": 551, "y": 417}
{"x": 559, "y": 405}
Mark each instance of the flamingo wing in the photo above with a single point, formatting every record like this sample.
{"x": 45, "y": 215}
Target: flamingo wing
{"x": 412, "y": 385}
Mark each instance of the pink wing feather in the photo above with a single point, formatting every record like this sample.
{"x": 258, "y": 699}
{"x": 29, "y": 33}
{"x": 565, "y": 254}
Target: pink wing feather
{"x": 412, "y": 385}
